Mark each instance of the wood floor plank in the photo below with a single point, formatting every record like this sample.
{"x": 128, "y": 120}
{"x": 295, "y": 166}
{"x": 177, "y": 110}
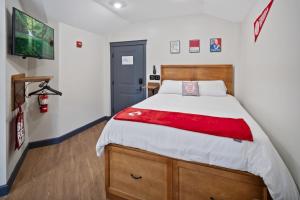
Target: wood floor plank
{"x": 70, "y": 170}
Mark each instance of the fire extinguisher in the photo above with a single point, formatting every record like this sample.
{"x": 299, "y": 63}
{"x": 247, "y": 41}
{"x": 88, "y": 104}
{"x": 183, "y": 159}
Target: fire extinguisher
{"x": 43, "y": 102}
{"x": 20, "y": 133}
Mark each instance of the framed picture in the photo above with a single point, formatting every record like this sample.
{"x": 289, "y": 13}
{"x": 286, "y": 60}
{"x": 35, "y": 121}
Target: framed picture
{"x": 194, "y": 46}
{"x": 215, "y": 45}
{"x": 175, "y": 47}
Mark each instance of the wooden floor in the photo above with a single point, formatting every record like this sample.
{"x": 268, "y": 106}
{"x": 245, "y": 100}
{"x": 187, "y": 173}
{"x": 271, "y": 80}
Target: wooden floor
{"x": 70, "y": 170}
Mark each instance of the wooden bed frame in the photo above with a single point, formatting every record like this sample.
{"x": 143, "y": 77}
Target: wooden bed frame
{"x": 133, "y": 174}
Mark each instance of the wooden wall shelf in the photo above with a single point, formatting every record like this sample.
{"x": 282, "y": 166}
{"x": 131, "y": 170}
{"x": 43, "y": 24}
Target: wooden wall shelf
{"x": 33, "y": 79}
{"x": 18, "y": 87}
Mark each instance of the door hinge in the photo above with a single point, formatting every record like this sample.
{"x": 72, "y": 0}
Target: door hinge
{"x": 112, "y": 55}
{"x": 113, "y": 82}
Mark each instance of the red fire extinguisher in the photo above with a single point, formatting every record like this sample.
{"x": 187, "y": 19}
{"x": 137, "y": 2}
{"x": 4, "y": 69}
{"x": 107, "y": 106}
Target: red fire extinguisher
{"x": 43, "y": 102}
{"x": 20, "y": 133}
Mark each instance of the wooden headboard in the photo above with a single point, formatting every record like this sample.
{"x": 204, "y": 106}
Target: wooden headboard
{"x": 200, "y": 72}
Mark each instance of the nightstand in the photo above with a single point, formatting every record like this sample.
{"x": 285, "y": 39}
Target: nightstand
{"x": 152, "y": 88}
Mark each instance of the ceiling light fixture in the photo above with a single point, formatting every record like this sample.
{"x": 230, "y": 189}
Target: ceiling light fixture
{"x": 118, "y": 5}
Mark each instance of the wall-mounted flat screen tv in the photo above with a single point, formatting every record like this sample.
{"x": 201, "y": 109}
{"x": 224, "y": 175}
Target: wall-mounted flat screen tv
{"x": 31, "y": 38}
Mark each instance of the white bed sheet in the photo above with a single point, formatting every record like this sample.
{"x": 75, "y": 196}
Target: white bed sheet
{"x": 258, "y": 157}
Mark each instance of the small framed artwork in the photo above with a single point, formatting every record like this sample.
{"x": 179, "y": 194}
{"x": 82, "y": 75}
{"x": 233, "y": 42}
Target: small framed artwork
{"x": 194, "y": 46}
{"x": 216, "y": 45}
{"x": 175, "y": 47}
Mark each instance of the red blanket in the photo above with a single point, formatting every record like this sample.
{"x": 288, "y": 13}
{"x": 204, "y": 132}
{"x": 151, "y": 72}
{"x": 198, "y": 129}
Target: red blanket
{"x": 217, "y": 126}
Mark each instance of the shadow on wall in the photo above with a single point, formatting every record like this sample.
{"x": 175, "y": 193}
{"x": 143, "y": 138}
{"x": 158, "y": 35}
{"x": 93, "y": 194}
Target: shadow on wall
{"x": 284, "y": 153}
{"x": 35, "y": 8}
{"x": 12, "y": 135}
{"x": 9, "y": 31}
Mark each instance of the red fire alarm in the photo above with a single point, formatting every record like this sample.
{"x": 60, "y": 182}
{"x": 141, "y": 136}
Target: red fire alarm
{"x": 78, "y": 44}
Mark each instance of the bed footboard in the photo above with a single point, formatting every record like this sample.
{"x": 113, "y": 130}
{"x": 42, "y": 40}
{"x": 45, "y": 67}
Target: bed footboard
{"x": 133, "y": 174}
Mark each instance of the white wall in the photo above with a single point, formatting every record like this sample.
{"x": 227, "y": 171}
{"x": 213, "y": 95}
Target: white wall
{"x": 159, "y": 33}
{"x": 14, "y": 65}
{"x": 78, "y": 74}
{"x": 80, "y": 78}
{"x": 269, "y": 83}
{"x": 45, "y": 125}
{"x": 2, "y": 94}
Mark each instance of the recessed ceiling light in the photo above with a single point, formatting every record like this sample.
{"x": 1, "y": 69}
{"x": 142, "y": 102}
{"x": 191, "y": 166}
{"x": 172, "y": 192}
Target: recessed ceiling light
{"x": 118, "y": 5}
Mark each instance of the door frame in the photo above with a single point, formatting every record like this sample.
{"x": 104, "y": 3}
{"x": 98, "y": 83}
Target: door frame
{"x": 119, "y": 44}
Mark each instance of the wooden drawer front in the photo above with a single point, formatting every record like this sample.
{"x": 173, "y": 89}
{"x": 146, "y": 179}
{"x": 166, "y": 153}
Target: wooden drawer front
{"x": 135, "y": 177}
{"x": 203, "y": 183}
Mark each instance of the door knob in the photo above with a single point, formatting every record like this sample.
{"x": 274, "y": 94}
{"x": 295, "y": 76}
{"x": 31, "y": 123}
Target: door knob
{"x": 141, "y": 81}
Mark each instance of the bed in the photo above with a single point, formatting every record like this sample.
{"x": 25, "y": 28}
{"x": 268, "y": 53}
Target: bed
{"x": 151, "y": 162}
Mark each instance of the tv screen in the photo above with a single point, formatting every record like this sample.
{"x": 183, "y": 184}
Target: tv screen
{"x": 31, "y": 38}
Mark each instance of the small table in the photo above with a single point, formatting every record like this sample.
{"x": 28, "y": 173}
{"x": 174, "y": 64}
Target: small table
{"x": 152, "y": 88}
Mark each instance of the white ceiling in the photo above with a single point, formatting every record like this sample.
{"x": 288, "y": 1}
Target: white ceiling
{"x": 143, "y": 10}
{"x": 100, "y": 17}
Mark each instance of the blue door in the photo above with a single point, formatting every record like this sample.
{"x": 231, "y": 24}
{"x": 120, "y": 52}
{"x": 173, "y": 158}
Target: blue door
{"x": 128, "y": 74}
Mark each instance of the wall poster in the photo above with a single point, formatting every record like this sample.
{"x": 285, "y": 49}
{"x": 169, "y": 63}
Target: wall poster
{"x": 175, "y": 47}
{"x": 215, "y": 44}
{"x": 194, "y": 46}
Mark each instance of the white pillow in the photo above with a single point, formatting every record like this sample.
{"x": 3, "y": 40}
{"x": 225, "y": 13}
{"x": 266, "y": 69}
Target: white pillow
{"x": 212, "y": 88}
{"x": 171, "y": 87}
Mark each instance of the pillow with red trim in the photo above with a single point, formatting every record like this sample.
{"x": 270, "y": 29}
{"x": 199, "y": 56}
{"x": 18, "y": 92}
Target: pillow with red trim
{"x": 190, "y": 88}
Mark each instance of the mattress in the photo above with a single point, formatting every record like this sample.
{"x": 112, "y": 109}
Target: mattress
{"x": 258, "y": 157}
